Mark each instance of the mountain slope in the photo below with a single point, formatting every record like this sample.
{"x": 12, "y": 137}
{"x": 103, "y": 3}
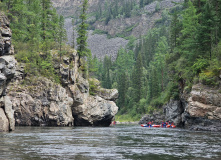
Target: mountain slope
{"x": 140, "y": 21}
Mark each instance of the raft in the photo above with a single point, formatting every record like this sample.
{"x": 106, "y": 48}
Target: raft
{"x": 158, "y": 126}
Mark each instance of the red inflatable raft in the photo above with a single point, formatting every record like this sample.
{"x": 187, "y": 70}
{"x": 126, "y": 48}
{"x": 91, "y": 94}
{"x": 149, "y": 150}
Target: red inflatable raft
{"x": 158, "y": 126}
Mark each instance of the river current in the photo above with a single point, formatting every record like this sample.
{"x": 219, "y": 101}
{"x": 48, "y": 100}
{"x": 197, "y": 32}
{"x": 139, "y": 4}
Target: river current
{"x": 126, "y": 142}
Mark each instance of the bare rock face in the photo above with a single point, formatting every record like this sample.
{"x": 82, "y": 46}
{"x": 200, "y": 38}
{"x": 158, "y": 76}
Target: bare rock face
{"x": 40, "y": 103}
{"x": 203, "y": 111}
{"x": 94, "y": 110}
{"x": 4, "y": 124}
{"x": 204, "y": 102}
{"x": 9, "y": 113}
{"x": 173, "y": 111}
{"x": 157, "y": 117}
{"x": 5, "y": 36}
{"x": 7, "y": 72}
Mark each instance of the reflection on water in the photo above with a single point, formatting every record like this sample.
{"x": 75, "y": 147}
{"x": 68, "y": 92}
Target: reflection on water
{"x": 118, "y": 142}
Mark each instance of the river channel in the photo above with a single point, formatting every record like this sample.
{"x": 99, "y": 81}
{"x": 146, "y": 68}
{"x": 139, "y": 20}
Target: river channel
{"x": 126, "y": 142}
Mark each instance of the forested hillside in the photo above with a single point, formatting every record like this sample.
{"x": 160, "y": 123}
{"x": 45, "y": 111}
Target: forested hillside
{"x": 37, "y": 29}
{"x": 181, "y": 50}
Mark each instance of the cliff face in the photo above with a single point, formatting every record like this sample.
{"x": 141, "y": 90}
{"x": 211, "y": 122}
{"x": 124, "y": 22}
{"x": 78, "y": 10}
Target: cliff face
{"x": 198, "y": 110}
{"x": 38, "y": 101}
{"x": 7, "y": 71}
{"x": 203, "y": 109}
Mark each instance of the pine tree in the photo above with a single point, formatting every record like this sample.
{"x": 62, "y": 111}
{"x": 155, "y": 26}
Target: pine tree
{"x": 122, "y": 88}
{"x": 175, "y": 29}
{"x": 46, "y": 6}
{"x": 136, "y": 79}
{"x": 206, "y": 32}
{"x": 82, "y": 50}
{"x": 141, "y": 3}
{"x": 189, "y": 32}
{"x": 106, "y": 81}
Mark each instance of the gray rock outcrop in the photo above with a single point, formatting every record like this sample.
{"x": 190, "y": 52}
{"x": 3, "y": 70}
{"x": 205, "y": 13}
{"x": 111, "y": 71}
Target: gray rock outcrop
{"x": 9, "y": 111}
{"x": 173, "y": 112}
{"x": 199, "y": 110}
{"x": 4, "y": 123}
{"x": 40, "y": 103}
{"x": 5, "y": 36}
{"x": 95, "y": 111}
{"x": 7, "y": 72}
{"x": 203, "y": 111}
{"x": 157, "y": 117}
{"x": 91, "y": 110}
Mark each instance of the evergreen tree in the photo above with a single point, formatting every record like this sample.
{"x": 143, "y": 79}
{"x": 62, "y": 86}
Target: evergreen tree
{"x": 46, "y": 17}
{"x": 206, "y": 32}
{"x": 106, "y": 81}
{"x": 82, "y": 50}
{"x": 122, "y": 88}
{"x": 189, "y": 32}
{"x": 141, "y": 3}
{"x": 175, "y": 29}
{"x": 136, "y": 79}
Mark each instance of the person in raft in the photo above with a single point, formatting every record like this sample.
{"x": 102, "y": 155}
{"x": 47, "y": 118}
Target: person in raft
{"x": 149, "y": 124}
{"x": 163, "y": 124}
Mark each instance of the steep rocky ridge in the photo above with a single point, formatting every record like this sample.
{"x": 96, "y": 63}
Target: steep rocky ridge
{"x": 139, "y": 25}
{"x": 38, "y": 101}
{"x": 32, "y": 100}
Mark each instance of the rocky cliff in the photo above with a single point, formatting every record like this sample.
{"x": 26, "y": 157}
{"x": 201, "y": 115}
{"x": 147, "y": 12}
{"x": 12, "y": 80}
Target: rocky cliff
{"x": 32, "y": 100}
{"x": 202, "y": 109}
{"x": 198, "y": 110}
{"x": 38, "y": 101}
{"x": 7, "y": 72}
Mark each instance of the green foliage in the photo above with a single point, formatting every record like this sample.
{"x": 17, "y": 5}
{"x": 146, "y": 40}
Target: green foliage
{"x": 200, "y": 65}
{"x": 210, "y": 76}
{"x": 37, "y": 65}
{"x": 93, "y": 88}
{"x": 83, "y": 51}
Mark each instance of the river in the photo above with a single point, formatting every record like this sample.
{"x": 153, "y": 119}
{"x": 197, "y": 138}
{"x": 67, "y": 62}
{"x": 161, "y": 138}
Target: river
{"x": 127, "y": 142}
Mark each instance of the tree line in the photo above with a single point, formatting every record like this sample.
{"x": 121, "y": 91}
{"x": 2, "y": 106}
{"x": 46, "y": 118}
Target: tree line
{"x": 168, "y": 60}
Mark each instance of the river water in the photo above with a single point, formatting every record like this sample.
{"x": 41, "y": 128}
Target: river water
{"x": 127, "y": 142}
